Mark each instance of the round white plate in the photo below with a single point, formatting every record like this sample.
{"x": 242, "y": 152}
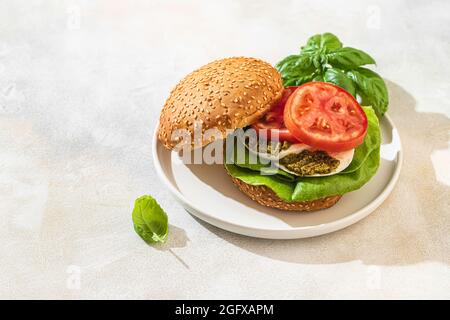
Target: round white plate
{"x": 207, "y": 192}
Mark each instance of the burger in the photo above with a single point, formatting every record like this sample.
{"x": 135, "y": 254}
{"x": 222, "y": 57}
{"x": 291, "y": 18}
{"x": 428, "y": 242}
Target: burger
{"x": 301, "y": 148}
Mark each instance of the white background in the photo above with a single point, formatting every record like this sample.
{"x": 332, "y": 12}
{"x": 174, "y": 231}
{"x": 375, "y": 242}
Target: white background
{"x": 81, "y": 86}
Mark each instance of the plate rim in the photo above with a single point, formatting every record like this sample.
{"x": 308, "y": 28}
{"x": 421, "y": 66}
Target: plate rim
{"x": 293, "y": 232}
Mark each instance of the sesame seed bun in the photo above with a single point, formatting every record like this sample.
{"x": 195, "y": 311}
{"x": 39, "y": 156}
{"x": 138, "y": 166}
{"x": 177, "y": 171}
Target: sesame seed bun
{"x": 225, "y": 94}
{"x": 265, "y": 196}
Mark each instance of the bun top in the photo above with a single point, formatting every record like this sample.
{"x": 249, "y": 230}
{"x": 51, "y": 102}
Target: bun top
{"x": 225, "y": 94}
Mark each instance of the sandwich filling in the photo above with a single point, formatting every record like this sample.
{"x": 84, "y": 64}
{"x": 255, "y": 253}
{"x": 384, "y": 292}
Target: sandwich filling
{"x": 300, "y": 159}
{"x": 365, "y": 160}
{"x": 309, "y": 163}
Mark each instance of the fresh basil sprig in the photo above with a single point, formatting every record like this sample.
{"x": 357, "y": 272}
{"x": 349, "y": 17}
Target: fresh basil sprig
{"x": 324, "y": 58}
{"x": 149, "y": 219}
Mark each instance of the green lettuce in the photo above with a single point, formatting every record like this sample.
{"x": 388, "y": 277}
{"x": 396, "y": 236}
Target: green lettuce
{"x": 363, "y": 167}
{"x": 324, "y": 58}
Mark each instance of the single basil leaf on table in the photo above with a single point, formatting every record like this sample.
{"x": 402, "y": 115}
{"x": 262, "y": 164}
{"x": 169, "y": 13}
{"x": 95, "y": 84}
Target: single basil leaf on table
{"x": 372, "y": 89}
{"x": 326, "y": 41}
{"x": 348, "y": 58}
{"x": 149, "y": 220}
{"x": 340, "y": 79}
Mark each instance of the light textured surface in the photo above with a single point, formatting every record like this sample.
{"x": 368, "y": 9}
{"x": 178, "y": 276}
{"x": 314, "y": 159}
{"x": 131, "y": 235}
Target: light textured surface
{"x": 81, "y": 86}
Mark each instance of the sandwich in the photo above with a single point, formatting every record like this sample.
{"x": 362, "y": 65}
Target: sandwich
{"x": 295, "y": 148}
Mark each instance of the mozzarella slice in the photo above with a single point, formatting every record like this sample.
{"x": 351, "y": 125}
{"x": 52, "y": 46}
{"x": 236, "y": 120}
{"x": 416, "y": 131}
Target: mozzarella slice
{"x": 344, "y": 157}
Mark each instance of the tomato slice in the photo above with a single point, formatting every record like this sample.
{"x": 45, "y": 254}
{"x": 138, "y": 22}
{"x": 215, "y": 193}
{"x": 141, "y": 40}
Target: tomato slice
{"x": 325, "y": 117}
{"x": 273, "y": 121}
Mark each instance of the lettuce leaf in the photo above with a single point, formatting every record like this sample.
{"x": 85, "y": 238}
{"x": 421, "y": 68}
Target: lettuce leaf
{"x": 283, "y": 188}
{"x": 371, "y": 141}
{"x": 363, "y": 167}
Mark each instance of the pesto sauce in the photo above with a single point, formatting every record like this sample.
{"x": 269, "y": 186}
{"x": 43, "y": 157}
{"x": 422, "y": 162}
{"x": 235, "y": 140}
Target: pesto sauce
{"x": 279, "y": 146}
{"x": 308, "y": 163}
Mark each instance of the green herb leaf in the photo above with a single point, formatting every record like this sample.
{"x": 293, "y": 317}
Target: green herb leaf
{"x": 149, "y": 219}
{"x": 294, "y": 63}
{"x": 339, "y": 78}
{"x": 255, "y": 163}
{"x": 297, "y": 78}
{"x": 372, "y": 89}
{"x": 323, "y": 42}
{"x": 349, "y": 58}
{"x": 318, "y": 77}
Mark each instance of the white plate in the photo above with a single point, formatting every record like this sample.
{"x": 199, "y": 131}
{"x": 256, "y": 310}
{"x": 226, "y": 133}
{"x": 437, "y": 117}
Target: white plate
{"x": 207, "y": 192}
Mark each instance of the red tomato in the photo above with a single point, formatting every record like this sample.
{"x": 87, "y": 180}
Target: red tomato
{"x": 273, "y": 121}
{"x": 273, "y": 130}
{"x": 325, "y": 117}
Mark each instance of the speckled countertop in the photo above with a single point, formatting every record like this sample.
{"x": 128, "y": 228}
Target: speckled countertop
{"x": 81, "y": 85}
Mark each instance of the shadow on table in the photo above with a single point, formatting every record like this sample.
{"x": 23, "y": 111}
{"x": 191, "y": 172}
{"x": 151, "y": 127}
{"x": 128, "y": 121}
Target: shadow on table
{"x": 411, "y": 226}
{"x": 177, "y": 239}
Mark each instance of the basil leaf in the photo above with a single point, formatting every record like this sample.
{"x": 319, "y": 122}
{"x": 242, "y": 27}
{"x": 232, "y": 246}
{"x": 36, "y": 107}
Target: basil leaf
{"x": 318, "y": 77}
{"x": 324, "y": 42}
{"x": 294, "y": 63}
{"x": 297, "y": 81}
{"x": 349, "y": 58}
{"x": 149, "y": 219}
{"x": 340, "y": 79}
{"x": 295, "y": 69}
{"x": 319, "y": 187}
{"x": 287, "y": 82}
{"x": 372, "y": 89}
